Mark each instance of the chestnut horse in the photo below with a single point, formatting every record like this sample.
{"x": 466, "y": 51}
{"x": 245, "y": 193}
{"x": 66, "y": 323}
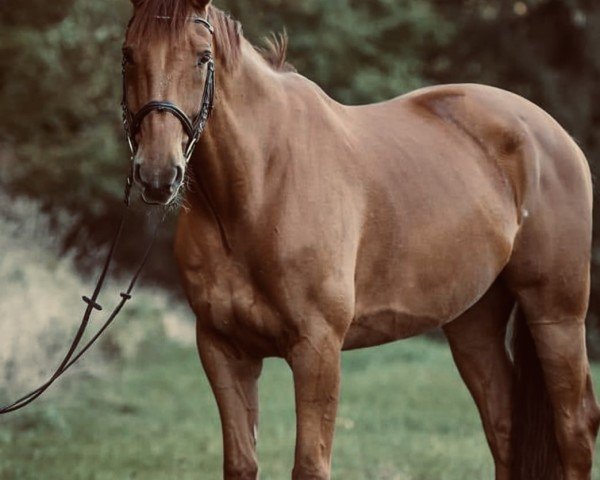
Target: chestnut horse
{"x": 311, "y": 227}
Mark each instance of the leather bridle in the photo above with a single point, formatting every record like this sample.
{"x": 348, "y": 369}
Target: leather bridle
{"x": 132, "y": 122}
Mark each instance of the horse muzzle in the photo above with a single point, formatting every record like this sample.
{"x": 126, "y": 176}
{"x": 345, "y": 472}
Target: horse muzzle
{"x": 159, "y": 186}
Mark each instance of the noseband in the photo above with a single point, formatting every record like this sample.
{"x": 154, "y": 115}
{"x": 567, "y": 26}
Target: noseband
{"x": 132, "y": 122}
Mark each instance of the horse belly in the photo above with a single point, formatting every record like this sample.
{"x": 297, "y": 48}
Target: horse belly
{"x": 385, "y": 326}
{"x": 407, "y": 308}
{"x": 414, "y": 282}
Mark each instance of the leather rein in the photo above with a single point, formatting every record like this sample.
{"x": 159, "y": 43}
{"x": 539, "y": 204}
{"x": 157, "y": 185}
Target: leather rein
{"x": 132, "y": 126}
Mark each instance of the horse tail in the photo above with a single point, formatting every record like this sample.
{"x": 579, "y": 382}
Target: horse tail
{"x": 534, "y": 448}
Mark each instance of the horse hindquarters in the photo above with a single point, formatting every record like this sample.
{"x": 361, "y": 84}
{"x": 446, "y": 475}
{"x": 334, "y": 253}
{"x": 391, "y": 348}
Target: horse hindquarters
{"x": 549, "y": 274}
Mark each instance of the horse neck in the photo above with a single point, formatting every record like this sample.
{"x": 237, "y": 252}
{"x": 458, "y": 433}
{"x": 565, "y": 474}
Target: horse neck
{"x": 231, "y": 159}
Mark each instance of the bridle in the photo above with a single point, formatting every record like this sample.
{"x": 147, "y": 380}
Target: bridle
{"x": 132, "y": 122}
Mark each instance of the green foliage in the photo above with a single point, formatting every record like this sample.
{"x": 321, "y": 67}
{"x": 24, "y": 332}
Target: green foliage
{"x": 58, "y": 86}
{"x": 37, "y": 13}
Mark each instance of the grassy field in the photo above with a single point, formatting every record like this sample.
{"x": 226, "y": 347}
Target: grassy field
{"x": 404, "y": 414}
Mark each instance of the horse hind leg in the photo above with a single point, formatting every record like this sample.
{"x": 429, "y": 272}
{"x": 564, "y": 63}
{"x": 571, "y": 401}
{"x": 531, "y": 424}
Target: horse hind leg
{"x": 557, "y": 337}
{"x": 549, "y": 274}
{"x": 477, "y": 340}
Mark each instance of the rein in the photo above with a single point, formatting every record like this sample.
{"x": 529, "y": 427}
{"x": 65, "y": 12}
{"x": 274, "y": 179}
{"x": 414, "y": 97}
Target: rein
{"x": 92, "y": 304}
{"x": 131, "y": 125}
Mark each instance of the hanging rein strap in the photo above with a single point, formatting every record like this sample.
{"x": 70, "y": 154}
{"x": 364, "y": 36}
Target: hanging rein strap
{"x": 92, "y": 304}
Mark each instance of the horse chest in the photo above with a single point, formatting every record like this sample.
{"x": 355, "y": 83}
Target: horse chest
{"x": 227, "y": 300}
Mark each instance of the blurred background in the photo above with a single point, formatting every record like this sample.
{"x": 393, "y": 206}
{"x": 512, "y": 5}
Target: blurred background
{"x": 63, "y": 160}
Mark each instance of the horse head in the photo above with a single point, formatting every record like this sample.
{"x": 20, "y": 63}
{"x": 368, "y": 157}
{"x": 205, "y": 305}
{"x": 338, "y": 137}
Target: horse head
{"x": 168, "y": 88}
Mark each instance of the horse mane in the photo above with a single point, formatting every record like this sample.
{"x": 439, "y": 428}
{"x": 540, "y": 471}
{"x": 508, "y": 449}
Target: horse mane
{"x": 155, "y": 18}
{"x": 275, "y": 52}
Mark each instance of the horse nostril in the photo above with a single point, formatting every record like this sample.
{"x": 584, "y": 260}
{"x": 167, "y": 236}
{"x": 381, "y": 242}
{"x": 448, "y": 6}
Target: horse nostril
{"x": 136, "y": 173}
{"x": 179, "y": 176}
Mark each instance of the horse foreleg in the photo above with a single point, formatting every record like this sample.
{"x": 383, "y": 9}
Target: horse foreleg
{"x": 233, "y": 376}
{"x": 477, "y": 341}
{"x": 315, "y": 362}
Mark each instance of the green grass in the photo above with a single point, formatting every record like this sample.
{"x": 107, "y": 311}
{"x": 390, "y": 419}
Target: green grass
{"x": 404, "y": 414}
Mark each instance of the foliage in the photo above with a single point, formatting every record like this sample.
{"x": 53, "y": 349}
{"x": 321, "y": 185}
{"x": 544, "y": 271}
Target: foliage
{"x": 58, "y": 91}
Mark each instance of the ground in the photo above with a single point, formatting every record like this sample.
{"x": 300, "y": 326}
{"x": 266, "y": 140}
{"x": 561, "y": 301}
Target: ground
{"x": 404, "y": 415}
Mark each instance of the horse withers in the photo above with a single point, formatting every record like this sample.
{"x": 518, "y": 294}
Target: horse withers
{"x": 310, "y": 227}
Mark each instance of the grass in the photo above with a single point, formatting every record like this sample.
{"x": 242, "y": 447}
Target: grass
{"x": 404, "y": 415}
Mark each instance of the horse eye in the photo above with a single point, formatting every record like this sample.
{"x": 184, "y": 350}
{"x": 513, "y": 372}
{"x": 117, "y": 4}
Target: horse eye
{"x": 204, "y": 58}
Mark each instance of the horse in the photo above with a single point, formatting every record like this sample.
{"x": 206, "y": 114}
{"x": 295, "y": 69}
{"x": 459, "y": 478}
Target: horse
{"x": 308, "y": 227}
